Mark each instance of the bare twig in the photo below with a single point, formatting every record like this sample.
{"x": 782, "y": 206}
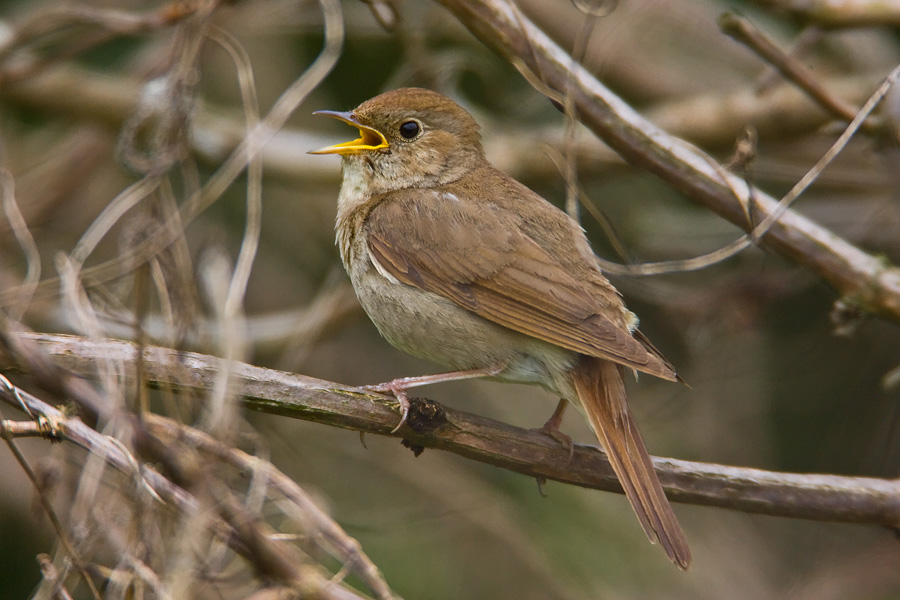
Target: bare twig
{"x": 849, "y": 13}
{"x": 305, "y": 510}
{"x": 759, "y": 230}
{"x": 743, "y": 31}
{"x": 238, "y": 160}
{"x": 8, "y": 435}
{"x": 26, "y": 242}
{"x": 54, "y": 20}
{"x": 243, "y": 532}
{"x": 803, "y": 496}
{"x": 50, "y": 574}
{"x": 869, "y": 281}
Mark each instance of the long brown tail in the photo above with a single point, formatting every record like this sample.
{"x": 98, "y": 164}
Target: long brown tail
{"x": 602, "y": 393}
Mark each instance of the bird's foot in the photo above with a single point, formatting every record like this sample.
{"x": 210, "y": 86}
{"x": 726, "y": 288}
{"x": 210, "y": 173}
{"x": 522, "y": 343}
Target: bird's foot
{"x": 551, "y": 428}
{"x": 396, "y": 389}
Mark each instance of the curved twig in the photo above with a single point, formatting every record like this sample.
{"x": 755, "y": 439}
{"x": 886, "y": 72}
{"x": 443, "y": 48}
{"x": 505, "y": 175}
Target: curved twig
{"x": 157, "y": 440}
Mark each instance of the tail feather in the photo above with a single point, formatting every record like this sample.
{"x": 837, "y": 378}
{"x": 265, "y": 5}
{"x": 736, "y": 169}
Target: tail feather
{"x": 602, "y": 393}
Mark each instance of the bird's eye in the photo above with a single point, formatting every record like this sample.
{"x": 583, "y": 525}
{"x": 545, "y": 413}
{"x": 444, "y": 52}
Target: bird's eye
{"x": 409, "y": 130}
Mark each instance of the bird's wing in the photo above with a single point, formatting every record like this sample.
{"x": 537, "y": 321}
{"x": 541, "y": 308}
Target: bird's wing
{"x": 475, "y": 254}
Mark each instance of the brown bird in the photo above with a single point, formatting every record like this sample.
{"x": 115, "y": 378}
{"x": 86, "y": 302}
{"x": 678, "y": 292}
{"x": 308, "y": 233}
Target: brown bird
{"x": 458, "y": 263}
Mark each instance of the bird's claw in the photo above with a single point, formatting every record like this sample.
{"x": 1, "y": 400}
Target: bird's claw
{"x": 399, "y": 393}
{"x": 551, "y": 428}
{"x": 564, "y": 440}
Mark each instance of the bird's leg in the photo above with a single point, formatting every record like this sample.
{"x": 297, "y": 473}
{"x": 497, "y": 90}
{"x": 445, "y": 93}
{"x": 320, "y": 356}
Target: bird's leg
{"x": 551, "y": 427}
{"x": 398, "y": 387}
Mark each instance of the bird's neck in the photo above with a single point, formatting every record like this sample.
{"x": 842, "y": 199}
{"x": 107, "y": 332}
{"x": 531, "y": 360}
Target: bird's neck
{"x": 366, "y": 178}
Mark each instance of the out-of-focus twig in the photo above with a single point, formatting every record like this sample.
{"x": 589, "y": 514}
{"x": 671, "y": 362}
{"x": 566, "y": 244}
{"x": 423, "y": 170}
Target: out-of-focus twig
{"x": 158, "y": 440}
{"x": 871, "y": 282}
{"x": 743, "y": 31}
{"x": 51, "y": 576}
{"x": 8, "y": 433}
{"x": 802, "y": 496}
{"x": 26, "y": 241}
{"x": 711, "y": 120}
{"x": 305, "y": 509}
{"x": 762, "y": 227}
{"x": 54, "y": 20}
{"x": 847, "y": 13}
{"x": 237, "y": 161}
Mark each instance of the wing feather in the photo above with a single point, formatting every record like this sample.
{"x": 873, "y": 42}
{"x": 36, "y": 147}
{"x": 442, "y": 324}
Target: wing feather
{"x": 476, "y": 255}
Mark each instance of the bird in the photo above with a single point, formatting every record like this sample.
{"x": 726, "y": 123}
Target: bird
{"x": 456, "y": 262}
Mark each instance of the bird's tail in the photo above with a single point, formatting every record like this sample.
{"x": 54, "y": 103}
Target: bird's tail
{"x": 601, "y": 391}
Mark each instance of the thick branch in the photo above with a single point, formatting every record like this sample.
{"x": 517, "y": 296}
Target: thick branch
{"x": 867, "y": 280}
{"x": 814, "y": 497}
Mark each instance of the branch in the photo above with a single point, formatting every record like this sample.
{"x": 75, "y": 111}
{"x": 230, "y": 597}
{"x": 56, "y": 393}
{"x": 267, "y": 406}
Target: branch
{"x": 713, "y": 119}
{"x": 848, "y": 13}
{"x": 239, "y": 530}
{"x": 168, "y": 445}
{"x": 870, "y": 282}
{"x": 790, "y": 68}
{"x": 431, "y": 425}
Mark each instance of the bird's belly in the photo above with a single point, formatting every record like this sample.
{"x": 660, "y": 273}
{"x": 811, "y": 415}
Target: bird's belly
{"x": 432, "y": 327}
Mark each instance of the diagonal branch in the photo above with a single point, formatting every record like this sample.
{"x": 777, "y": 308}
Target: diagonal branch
{"x": 790, "y": 68}
{"x": 431, "y": 425}
{"x": 866, "y": 280}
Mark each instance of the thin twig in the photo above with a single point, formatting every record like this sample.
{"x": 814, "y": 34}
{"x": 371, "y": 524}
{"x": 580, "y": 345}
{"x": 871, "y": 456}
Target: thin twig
{"x": 9, "y": 438}
{"x": 759, "y": 230}
{"x": 335, "y": 539}
{"x": 237, "y": 161}
{"x": 51, "y": 576}
{"x": 26, "y": 242}
{"x": 235, "y": 525}
{"x": 743, "y": 31}
{"x": 831, "y": 14}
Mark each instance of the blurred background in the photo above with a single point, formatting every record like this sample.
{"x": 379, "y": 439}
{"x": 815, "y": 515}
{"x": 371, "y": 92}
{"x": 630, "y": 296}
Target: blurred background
{"x": 779, "y": 379}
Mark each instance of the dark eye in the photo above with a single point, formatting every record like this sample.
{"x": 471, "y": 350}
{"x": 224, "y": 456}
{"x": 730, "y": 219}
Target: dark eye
{"x": 409, "y": 130}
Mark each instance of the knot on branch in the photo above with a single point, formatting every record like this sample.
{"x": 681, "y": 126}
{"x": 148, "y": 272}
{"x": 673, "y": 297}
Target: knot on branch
{"x": 424, "y": 416}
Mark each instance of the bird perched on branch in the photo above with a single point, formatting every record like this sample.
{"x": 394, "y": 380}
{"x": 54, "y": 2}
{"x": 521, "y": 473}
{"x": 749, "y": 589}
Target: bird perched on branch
{"x": 458, "y": 263}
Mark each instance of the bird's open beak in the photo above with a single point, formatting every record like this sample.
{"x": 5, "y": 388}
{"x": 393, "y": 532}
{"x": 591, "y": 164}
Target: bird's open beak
{"x": 369, "y": 139}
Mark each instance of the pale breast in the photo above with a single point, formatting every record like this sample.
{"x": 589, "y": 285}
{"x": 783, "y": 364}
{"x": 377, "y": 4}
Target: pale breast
{"x": 434, "y": 328}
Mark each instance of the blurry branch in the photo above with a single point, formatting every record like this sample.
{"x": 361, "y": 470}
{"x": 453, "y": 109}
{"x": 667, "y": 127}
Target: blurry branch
{"x": 78, "y": 93}
{"x": 710, "y": 120}
{"x": 865, "y": 280}
{"x": 848, "y": 13}
{"x": 803, "y": 496}
{"x": 744, "y": 32}
{"x": 245, "y": 151}
{"x": 26, "y": 242}
{"x": 9, "y": 431}
{"x": 746, "y": 148}
{"x": 714, "y": 120}
{"x": 385, "y": 12}
{"x": 330, "y": 310}
{"x": 180, "y": 481}
{"x": 51, "y": 23}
